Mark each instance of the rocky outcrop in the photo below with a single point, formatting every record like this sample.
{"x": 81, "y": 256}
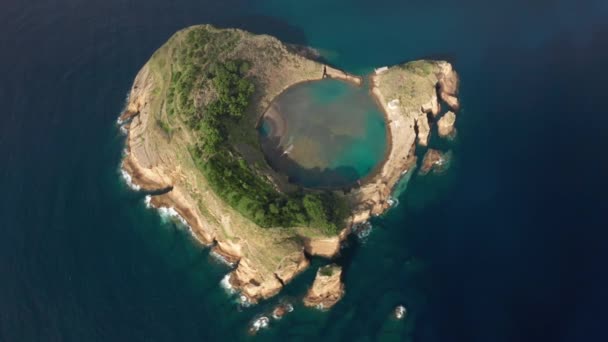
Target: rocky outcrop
{"x": 433, "y": 160}
{"x": 327, "y": 288}
{"x": 448, "y": 86}
{"x": 445, "y": 125}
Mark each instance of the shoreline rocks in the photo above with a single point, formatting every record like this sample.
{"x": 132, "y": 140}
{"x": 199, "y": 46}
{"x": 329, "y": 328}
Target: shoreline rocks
{"x": 327, "y": 288}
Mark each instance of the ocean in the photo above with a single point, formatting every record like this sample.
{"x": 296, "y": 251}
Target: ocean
{"x": 508, "y": 245}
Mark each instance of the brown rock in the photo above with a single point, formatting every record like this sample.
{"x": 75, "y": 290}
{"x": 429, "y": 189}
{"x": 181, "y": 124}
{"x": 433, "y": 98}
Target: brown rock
{"x": 433, "y": 161}
{"x": 451, "y": 100}
{"x": 327, "y": 288}
{"x": 445, "y": 125}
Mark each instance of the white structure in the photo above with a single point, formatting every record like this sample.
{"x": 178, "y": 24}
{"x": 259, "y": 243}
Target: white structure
{"x": 380, "y": 70}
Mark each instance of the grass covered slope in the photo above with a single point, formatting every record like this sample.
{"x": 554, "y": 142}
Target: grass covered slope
{"x": 213, "y": 78}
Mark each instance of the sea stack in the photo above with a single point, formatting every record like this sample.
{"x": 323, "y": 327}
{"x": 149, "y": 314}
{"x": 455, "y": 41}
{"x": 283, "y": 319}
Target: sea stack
{"x": 445, "y": 125}
{"x": 435, "y": 161}
{"x": 327, "y": 288}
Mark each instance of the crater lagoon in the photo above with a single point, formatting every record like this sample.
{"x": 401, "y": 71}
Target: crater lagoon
{"x": 326, "y": 133}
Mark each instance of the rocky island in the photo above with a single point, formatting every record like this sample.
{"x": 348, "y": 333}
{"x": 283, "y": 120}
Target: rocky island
{"x": 192, "y": 145}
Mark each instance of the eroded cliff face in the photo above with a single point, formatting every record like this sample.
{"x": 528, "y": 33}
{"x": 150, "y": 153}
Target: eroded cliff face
{"x": 327, "y": 288}
{"x": 266, "y": 259}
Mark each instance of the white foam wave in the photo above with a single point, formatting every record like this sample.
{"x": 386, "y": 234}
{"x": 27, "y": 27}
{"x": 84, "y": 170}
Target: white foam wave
{"x": 362, "y": 230}
{"x": 168, "y": 214}
{"x": 225, "y": 284}
{"x": 123, "y": 129}
{"x": 393, "y": 202}
{"x": 260, "y": 323}
{"x": 147, "y": 200}
{"x": 221, "y": 259}
{"x": 244, "y": 301}
{"x": 128, "y": 180}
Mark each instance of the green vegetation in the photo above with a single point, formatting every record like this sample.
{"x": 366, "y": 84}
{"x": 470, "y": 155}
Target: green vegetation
{"x": 420, "y": 68}
{"x": 209, "y": 94}
{"x": 165, "y": 127}
{"x": 327, "y": 271}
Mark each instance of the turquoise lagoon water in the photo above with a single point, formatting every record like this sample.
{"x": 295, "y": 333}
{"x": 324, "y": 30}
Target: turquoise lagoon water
{"x": 507, "y": 245}
{"x": 334, "y": 134}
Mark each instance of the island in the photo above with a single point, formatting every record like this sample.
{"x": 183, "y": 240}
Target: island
{"x": 192, "y": 145}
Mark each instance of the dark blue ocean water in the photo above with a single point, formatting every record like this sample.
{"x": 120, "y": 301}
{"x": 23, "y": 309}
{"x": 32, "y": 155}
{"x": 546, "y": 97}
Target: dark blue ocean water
{"x": 509, "y": 245}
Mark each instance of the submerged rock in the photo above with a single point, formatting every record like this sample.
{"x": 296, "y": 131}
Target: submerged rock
{"x": 327, "y": 288}
{"x": 281, "y": 310}
{"x": 445, "y": 125}
{"x": 259, "y": 323}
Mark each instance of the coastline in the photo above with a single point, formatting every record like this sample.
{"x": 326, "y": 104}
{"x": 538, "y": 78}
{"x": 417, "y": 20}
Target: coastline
{"x": 265, "y": 258}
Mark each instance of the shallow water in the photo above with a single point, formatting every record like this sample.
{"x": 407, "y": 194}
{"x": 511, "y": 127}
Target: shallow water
{"x": 331, "y": 134}
{"x": 507, "y": 245}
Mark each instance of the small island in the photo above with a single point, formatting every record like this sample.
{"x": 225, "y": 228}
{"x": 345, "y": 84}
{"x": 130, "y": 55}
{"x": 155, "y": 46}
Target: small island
{"x": 192, "y": 144}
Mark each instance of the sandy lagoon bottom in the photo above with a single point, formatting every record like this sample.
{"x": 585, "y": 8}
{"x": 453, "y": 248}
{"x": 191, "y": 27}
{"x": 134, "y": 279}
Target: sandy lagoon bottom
{"x": 324, "y": 134}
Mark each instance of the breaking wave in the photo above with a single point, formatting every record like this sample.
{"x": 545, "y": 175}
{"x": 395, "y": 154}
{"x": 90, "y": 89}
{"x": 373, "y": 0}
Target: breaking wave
{"x": 128, "y": 180}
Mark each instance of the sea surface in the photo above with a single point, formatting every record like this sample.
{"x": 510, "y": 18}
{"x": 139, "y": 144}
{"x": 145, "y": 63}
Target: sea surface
{"x": 334, "y": 134}
{"x": 509, "y": 245}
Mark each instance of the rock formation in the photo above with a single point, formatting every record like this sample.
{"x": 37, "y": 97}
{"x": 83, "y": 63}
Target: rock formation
{"x": 448, "y": 86}
{"x": 434, "y": 160}
{"x": 445, "y": 125}
{"x": 327, "y": 288}
{"x": 267, "y": 258}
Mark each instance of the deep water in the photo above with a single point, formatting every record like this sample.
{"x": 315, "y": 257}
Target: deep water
{"x": 508, "y": 245}
{"x": 334, "y": 134}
